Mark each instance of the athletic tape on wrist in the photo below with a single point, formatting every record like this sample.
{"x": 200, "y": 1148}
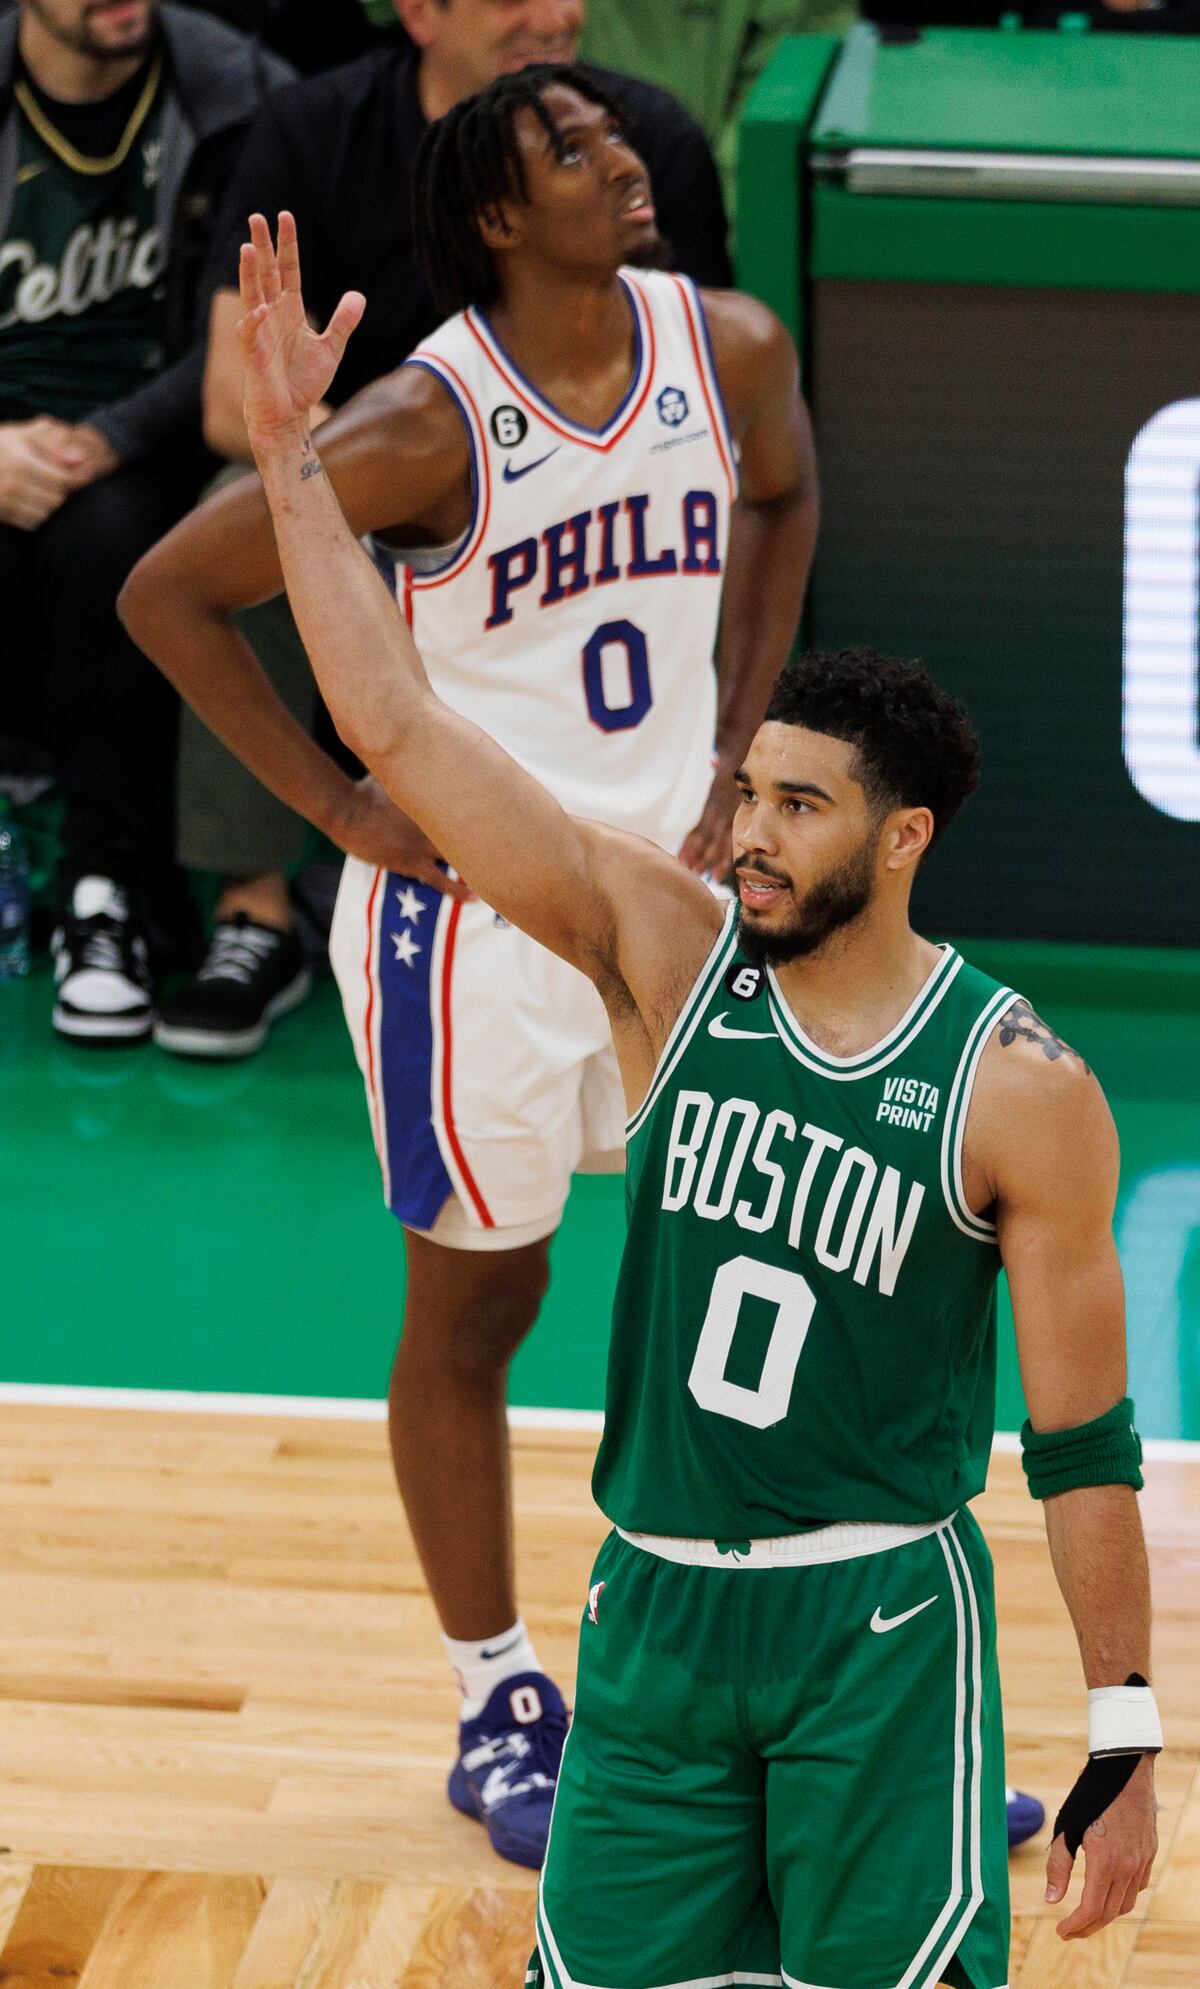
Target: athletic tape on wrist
{"x": 1126, "y": 1719}
{"x": 1123, "y": 1719}
{"x": 1106, "y": 1451}
{"x": 1099, "y": 1785}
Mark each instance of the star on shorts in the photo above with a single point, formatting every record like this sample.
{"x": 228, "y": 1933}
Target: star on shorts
{"x": 410, "y": 905}
{"x": 406, "y": 946}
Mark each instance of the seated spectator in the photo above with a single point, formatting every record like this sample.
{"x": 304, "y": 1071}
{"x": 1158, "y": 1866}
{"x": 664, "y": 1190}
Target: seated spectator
{"x": 338, "y": 150}
{"x": 118, "y": 132}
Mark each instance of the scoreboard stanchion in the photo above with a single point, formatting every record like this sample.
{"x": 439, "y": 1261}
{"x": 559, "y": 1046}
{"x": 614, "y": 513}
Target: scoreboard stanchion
{"x": 992, "y": 259}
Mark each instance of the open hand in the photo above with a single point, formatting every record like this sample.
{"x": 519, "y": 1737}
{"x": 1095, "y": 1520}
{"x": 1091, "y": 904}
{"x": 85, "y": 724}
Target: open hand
{"x": 288, "y": 366}
{"x": 1119, "y": 1851}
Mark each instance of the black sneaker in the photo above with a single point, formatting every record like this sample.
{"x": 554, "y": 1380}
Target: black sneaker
{"x": 252, "y": 975}
{"x": 101, "y": 967}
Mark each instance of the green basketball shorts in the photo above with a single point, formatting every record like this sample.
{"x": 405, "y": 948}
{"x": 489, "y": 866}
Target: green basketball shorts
{"x": 783, "y": 1769}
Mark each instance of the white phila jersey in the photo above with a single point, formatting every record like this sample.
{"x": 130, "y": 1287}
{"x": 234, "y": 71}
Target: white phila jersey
{"x": 576, "y": 620}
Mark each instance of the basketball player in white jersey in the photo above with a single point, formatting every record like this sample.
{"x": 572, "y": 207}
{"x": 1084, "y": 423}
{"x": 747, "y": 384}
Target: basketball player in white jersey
{"x": 567, "y": 483}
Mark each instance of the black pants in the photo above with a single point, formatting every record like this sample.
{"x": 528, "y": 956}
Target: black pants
{"x": 73, "y": 680}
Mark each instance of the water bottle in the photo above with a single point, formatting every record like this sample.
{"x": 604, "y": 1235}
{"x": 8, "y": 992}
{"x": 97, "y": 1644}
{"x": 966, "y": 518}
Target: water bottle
{"x": 14, "y": 897}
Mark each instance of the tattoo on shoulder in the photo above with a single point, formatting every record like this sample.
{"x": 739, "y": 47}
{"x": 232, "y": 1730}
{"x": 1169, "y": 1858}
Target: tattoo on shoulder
{"x": 313, "y": 469}
{"x": 1020, "y": 1021}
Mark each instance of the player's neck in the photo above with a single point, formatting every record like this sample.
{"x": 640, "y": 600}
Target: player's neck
{"x": 565, "y": 330}
{"x": 67, "y": 74}
{"x": 852, "y": 992}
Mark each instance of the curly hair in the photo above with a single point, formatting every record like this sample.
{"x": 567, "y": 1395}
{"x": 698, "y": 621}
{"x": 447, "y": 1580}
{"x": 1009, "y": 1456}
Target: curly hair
{"x": 470, "y": 160}
{"x": 915, "y": 744}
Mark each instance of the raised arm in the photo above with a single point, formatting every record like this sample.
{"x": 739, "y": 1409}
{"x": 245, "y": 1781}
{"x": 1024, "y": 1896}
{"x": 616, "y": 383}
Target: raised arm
{"x": 1043, "y": 1147}
{"x": 624, "y": 912}
{"x": 773, "y": 534}
{"x": 397, "y": 456}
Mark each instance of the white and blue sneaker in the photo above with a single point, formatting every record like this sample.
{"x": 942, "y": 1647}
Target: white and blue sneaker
{"x": 1026, "y": 1816}
{"x": 507, "y": 1767}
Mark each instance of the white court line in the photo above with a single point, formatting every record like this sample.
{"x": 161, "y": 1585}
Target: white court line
{"x": 332, "y": 1408}
{"x": 351, "y": 1409}
{"x": 1183, "y": 1449}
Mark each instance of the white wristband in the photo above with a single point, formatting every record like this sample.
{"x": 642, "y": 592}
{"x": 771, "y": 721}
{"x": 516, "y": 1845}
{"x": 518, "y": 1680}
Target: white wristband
{"x": 1123, "y": 1719}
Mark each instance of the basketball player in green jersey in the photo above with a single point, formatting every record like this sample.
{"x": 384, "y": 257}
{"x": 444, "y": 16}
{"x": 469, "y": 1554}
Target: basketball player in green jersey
{"x": 785, "y": 1765}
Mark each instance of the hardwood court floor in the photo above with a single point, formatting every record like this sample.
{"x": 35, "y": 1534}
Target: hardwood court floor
{"x": 225, "y": 1721}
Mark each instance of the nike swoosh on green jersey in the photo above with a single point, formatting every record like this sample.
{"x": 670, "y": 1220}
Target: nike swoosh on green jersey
{"x": 719, "y": 1027}
{"x": 881, "y": 1623}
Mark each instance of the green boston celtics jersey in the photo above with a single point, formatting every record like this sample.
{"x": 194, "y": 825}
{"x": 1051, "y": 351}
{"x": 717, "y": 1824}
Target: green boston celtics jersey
{"x": 81, "y": 279}
{"x": 804, "y": 1326}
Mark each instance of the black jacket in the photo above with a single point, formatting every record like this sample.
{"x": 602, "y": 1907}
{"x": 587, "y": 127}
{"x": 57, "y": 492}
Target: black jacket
{"x": 215, "y": 81}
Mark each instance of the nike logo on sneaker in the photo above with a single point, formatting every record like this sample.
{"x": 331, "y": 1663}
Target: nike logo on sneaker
{"x": 720, "y": 1027}
{"x": 882, "y": 1623}
{"x": 512, "y": 474}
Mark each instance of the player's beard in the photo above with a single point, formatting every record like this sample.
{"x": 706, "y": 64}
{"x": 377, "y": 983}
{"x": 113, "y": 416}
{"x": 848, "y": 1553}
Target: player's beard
{"x": 837, "y": 901}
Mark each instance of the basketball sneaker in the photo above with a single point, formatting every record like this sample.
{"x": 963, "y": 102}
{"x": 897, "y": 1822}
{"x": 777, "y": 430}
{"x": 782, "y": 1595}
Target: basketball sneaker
{"x": 507, "y": 1767}
{"x": 252, "y": 974}
{"x": 1026, "y": 1816}
{"x": 101, "y": 967}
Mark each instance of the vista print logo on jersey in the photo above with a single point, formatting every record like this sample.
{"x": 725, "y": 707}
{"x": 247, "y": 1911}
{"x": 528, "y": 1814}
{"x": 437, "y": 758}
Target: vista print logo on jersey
{"x": 672, "y": 405}
{"x": 908, "y": 1102}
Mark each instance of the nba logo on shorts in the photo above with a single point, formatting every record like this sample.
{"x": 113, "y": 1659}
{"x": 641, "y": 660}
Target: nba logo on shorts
{"x": 672, "y": 405}
{"x": 594, "y": 1602}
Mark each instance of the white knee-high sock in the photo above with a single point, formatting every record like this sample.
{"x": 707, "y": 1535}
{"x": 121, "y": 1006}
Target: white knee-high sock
{"x": 480, "y": 1668}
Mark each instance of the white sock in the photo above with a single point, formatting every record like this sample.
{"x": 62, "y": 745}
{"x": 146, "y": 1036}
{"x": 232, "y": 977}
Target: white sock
{"x": 480, "y": 1668}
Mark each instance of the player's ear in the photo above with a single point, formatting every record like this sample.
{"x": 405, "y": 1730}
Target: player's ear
{"x": 906, "y": 837}
{"x": 500, "y": 225}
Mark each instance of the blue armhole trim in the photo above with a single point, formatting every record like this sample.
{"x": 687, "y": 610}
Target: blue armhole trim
{"x": 434, "y": 572}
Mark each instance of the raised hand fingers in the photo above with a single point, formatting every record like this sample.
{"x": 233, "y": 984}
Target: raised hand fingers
{"x": 248, "y": 288}
{"x": 342, "y": 323}
{"x": 266, "y": 266}
{"x": 288, "y": 253}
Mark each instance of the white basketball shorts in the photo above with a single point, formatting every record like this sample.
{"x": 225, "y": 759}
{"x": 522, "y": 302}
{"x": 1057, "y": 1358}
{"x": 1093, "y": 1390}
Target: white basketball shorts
{"x": 488, "y": 1064}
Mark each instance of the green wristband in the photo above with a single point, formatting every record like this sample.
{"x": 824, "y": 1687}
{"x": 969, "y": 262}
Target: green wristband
{"x": 1107, "y": 1451}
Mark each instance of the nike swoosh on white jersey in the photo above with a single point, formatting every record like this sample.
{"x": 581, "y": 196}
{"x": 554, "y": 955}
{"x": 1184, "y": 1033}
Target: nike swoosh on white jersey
{"x": 881, "y": 1623}
{"x": 719, "y": 1027}
{"x": 512, "y": 472}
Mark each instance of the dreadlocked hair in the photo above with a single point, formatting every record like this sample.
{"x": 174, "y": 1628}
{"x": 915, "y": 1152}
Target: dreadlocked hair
{"x": 470, "y": 160}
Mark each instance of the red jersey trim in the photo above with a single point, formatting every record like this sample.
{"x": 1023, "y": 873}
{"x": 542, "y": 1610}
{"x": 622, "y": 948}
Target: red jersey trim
{"x": 601, "y": 440}
{"x": 460, "y": 1159}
